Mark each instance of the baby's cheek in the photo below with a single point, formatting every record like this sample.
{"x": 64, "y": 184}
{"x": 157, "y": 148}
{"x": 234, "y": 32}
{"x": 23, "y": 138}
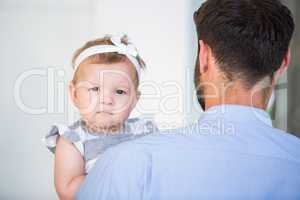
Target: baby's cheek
{"x": 123, "y": 104}
{"x": 122, "y": 116}
{"x": 86, "y": 102}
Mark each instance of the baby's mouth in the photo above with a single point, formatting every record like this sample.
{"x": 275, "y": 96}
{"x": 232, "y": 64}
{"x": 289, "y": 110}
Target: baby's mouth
{"x": 104, "y": 112}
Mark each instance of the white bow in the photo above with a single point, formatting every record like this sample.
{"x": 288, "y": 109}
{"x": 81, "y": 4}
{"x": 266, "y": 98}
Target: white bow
{"x": 127, "y": 49}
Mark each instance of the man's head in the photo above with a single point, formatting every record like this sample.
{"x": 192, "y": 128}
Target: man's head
{"x": 246, "y": 40}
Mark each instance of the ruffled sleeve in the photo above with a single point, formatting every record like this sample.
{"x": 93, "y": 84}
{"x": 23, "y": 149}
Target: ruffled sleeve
{"x": 70, "y": 134}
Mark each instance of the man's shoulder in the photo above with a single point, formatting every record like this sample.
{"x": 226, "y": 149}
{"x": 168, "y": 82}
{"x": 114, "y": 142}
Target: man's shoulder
{"x": 271, "y": 142}
{"x": 288, "y": 142}
{"x": 150, "y": 140}
{"x": 158, "y": 141}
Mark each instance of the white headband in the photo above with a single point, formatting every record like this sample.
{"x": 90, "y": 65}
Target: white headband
{"x": 128, "y": 50}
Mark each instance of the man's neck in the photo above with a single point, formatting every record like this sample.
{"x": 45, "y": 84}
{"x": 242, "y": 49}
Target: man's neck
{"x": 239, "y": 96}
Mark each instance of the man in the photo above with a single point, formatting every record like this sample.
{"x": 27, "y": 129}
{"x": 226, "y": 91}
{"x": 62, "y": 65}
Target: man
{"x": 232, "y": 152}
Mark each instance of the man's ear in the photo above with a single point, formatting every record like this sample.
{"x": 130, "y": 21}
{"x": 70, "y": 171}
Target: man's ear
{"x": 284, "y": 66}
{"x": 203, "y": 57}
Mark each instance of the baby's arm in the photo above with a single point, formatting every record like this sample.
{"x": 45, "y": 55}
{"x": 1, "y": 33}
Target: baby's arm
{"x": 69, "y": 170}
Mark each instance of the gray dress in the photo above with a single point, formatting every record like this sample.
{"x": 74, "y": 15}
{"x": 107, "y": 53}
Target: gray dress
{"x": 92, "y": 145}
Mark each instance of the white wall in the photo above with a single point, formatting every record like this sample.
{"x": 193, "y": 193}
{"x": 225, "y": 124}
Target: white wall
{"x": 34, "y": 35}
{"x": 42, "y": 35}
{"x": 159, "y": 30}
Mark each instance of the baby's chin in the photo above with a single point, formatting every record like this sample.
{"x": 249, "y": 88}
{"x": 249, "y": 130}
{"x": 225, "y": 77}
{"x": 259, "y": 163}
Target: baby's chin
{"x": 103, "y": 123}
{"x": 112, "y": 129}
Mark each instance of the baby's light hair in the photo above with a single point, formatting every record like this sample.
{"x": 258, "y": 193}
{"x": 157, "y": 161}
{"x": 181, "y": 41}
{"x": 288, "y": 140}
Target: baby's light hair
{"x": 104, "y": 58}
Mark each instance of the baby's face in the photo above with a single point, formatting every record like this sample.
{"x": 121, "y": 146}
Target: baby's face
{"x": 105, "y": 94}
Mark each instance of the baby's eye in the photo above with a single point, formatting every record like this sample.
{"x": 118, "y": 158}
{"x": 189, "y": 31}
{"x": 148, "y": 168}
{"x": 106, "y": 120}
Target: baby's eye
{"x": 120, "y": 92}
{"x": 94, "y": 89}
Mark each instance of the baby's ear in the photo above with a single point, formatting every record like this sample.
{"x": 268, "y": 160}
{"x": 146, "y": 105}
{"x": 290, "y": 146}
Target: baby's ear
{"x": 72, "y": 92}
{"x": 138, "y": 94}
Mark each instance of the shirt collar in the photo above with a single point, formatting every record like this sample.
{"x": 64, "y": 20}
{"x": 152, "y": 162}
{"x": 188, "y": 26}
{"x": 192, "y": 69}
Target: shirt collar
{"x": 237, "y": 113}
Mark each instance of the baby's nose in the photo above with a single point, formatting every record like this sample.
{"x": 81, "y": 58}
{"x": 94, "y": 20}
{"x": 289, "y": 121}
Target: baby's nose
{"x": 106, "y": 98}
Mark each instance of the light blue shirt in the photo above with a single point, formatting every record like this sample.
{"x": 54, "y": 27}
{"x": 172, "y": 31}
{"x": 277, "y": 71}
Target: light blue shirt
{"x": 232, "y": 152}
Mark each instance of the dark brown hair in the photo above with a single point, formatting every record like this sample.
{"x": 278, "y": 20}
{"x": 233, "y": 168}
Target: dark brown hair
{"x": 248, "y": 38}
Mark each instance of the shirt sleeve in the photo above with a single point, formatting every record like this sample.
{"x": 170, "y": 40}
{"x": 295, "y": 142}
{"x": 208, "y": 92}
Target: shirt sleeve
{"x": 70, "y": 135}
{"x": 120, "y": 173}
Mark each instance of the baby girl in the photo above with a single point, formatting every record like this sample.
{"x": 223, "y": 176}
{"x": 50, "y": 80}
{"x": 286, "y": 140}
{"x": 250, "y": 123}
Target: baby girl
{"x": 104, "y": 89}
